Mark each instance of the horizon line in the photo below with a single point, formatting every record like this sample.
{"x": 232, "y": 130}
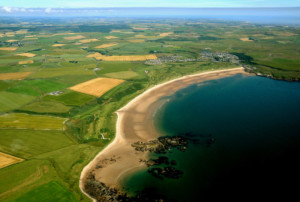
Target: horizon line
{"x": 149, "y": 7}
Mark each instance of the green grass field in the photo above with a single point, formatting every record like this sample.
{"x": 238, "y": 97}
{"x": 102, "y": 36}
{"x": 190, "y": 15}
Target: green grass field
{"x": 29, "y": 143}
{"x": 36, "y": 87}
{"x": 61, "y": 71}
{"x": 122, "y": 75}
{"x": 45, "y": 106}
{"x": 4, "y": 85}
{"x": 51, "y": 191}
{"x": 10, "y": 101}
{"x": 26, "y": 121}
{"x": 71, "y": 98}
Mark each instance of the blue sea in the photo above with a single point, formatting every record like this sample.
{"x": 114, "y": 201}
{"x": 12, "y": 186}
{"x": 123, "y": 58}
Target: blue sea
{"x": 255, "y": 126}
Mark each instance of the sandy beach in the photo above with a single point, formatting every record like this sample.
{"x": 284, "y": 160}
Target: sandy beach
{"x": 135, "y": 123}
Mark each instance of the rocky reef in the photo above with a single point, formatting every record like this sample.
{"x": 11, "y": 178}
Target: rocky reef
{"x": 167, "y": 172}
{"x": 103, "y": 193}
{"x": 159, "y": 166}
{"x": 162, "y": 167}
{"x": 162, "y": 144}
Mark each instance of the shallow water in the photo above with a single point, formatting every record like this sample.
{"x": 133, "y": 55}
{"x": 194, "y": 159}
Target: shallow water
{"x": 255, "y": 123}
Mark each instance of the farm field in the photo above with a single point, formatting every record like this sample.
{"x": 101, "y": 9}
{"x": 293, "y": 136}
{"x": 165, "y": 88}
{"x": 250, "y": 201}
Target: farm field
{"x": 61, "y": 84}
{"x": 71, "y": 98}
{"x": 10, "y": 101}
{"x": 106, "y": 45}
{"x": 36, "y": 87}
{"x": 122, "y": 75}
{"x": 7, "y": 160}
{"x": 96, "y": 87}
{"x": 26, "y": 62}
{"x": 14, "y": 76}
{"x": 26, "y": 121}
{"x": 28, "y": 143}
{"x": 99, "y": 56}
{"x": 8, "y": 48}
{"x": 46, "y": 107}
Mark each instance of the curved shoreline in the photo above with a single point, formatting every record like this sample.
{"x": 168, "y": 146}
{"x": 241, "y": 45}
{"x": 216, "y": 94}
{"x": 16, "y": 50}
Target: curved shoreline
{"x": 134, "y": 124}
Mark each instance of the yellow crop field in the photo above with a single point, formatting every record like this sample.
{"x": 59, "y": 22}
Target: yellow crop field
{"x": 10, "y": 34}
{"x": 26, "y": 62}
{"x": 35, "y": 122}
{"x": 74, "y": 37}
{"x": 137, "y": 40}
{"x": 88, "y": 40}
{"x": 58, "y": 45}
{"x": 107, "y": 45}
{"x": 30, "y": 36}
{"x": 8, "y": 48}
{"x": 22, "y": 31}
{"x": 14, "y": 76}
{"x": 96, "y": 87}
{"x": 30, "y": 55}
{"x": 62, "y": 34}
{"x": 99, "y": 56}
{"x": 245, "y": 39}
{"x": 111, "y": 37}
{"x": 115, "y": 31}
{"x": 165, "y": 34}
{"x": 11, "y": 40}
{"x": 7, "y": 160}
{"x": 140, "y": 28}
{"x": 140, "y": 36}
{"x": 27, "y": 39}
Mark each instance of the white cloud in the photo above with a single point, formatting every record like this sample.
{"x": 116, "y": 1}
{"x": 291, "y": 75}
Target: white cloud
{"x": 48, "y": 10}
{"x": 7, "y": 9}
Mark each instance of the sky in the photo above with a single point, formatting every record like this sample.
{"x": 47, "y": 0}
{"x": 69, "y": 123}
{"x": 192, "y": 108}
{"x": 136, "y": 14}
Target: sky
{"x": 145, "y": 3}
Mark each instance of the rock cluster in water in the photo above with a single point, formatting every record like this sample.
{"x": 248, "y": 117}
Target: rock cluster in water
{"x": 165, "y": 144}
{"x": 167, "y": 172}
{"x": 162, "y": 144}
{"x": 101, "y": 192}
{"x": 160, "y": 167}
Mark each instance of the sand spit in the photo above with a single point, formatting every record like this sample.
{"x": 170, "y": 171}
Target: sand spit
{"x": 135, "y": 123}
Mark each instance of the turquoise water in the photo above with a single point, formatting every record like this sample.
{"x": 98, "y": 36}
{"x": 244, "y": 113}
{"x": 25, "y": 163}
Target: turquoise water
{"x": 255, "y": 122}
